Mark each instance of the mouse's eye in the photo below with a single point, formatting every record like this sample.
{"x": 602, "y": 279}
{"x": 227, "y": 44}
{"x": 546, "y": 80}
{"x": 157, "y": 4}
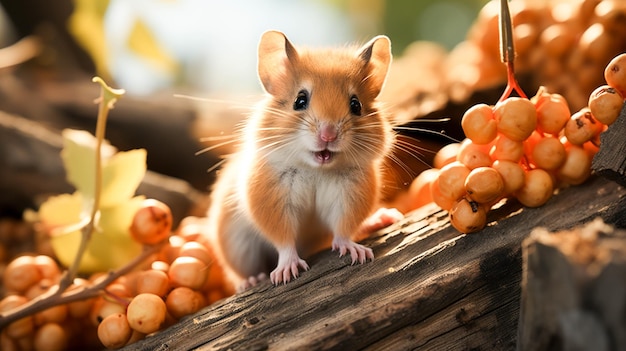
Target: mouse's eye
{"x": 302, "y": 101}
{"x": 355, "y": 105}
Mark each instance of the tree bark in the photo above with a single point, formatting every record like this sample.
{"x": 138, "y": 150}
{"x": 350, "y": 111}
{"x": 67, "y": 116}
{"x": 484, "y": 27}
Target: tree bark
{"x": 610, "y": 161}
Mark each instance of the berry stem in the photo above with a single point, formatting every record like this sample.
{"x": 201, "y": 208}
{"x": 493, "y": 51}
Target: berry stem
{"x": 507, "y": 51}
{"x": 511, "y": 83}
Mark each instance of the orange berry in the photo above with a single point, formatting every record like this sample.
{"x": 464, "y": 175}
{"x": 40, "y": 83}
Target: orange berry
{"x": 154, "y": 282}
{"x": 516, "y": 118}
{"x": 446, "y": 154}
{"x": 183, "y": 301}
{"x": 114, "y": 331}
{"x": 484, "y": 185}
{"x": 468, "y": 216}
{"x": 197, "y": 250}
{"x": 552, "y": 113}
{"x": 557, "y": 39}
{"x": 582, "y": 127}
{"x": 51, "y": 337}
{"x": 512, "y": 175}
{"x": 451, "y": 181}
{"x": 152, "y": 222}
{"x": 445, "y": 202}
{"x": 20, "y": 328}
{"x": 548, "y": 153}
{"x": 537, "y": 188}
{"x": 479, "y": 125}
{"x": 419, "y": 193}
{"x": 188, "y": 271}
{"x": 577, "y": 166}
{"x": 615, "y": 73}
{"x": 146, "y": 313}
{"x": 473, "y": 155}
{"x": 21, "y": 273}
{"x": 507, "y": 149}
{"x": 605, "y": 104}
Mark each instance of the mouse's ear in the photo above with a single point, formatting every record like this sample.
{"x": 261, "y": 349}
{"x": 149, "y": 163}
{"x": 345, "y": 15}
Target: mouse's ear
{"x": 377, "y": 56}
{"x": 276, "y": 55}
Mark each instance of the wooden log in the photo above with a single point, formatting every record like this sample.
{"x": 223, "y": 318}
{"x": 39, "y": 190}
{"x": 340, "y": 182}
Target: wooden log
{"x": 429, "y": 288}
{"x": 574, "y": 289}
{"x": 610, "y": 161}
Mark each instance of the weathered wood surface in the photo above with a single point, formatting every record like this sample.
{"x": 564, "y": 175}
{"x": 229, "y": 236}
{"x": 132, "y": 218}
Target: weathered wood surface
{"x": 574, "y": 289}
{"x": 610, "y": 161}
{"x": 430, "y": 288}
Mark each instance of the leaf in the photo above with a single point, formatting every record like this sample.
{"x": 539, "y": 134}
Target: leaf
{"x": 62, "y": 210}
{"x": 121, "y": 176}
{"x": 111, "y": 245}
{"x": 86, "y": 24}
{"x": 143, "y": 43}
{"x": 122, "y": 172}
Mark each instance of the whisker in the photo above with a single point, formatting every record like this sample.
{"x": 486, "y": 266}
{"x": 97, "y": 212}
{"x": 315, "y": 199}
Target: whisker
{"x": 273, "y": 147}
{"x": 428, "y": 120}
{"x": 284, "y": 142}
{"x": 216, "y": 165}
{"x": 216, "y": 146}
{"x": 217, "y": 138}
{"x": 427, "y": 131}
{"x": 278, "y": 128}
{"x": 414, "y": 145}
{"x": 231, "y": 103}
{"x": 395, "y": 159}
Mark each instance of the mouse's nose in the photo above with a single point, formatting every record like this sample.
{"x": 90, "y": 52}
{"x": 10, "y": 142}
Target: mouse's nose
{"x": 328, "y": 133}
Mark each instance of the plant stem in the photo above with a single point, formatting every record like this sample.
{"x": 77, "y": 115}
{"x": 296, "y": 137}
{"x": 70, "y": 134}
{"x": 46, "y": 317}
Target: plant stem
{"x": 107, "y": 99}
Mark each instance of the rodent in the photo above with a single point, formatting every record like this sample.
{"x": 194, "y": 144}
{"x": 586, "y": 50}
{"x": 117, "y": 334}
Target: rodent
{"x": 308, "y": 171}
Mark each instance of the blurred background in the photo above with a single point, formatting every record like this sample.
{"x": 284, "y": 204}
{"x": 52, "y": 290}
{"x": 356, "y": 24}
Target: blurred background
{"x": 149, "y": 45}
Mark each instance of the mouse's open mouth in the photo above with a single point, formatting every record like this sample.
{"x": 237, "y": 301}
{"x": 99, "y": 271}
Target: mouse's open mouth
{"x": 324, "y": 156}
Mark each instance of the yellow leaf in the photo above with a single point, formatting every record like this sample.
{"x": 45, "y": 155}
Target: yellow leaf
{"x": 111, "y": 246}
{"x": 86, "y": 24}
{"x": 122, "y": 172}
{"x": 142, "y": 42}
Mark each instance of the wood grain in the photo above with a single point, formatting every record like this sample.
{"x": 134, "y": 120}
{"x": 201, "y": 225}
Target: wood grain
{"x": 610, "y": 161}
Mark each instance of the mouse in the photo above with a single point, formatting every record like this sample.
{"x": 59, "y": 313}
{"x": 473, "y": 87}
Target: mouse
{"x": 306, "y": 175}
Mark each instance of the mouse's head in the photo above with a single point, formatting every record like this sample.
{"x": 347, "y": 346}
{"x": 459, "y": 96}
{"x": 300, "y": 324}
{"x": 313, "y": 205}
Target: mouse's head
{"x": 322, "y": 109}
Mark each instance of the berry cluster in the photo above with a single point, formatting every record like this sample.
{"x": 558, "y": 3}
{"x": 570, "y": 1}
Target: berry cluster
{"x": 523, "y": 148}
{"x": 180, "y": 278}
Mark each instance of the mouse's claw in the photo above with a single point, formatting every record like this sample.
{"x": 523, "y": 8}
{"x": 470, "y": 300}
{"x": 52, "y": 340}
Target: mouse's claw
{"x": 358, "y": 252}
{"x": 289, "y": 264}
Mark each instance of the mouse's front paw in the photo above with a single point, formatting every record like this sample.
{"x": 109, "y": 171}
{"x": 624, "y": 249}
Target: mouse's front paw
{"x": 358, "y": 252}
{"x": 289, "y": 264}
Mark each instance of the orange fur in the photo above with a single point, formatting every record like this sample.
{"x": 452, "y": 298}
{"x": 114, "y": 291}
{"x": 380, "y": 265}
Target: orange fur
{"x": 287, "y": 186}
